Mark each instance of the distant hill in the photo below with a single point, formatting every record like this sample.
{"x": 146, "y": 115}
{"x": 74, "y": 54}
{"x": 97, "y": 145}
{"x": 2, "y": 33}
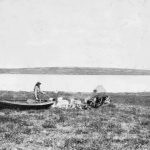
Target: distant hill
{"x": 75, "y": 71}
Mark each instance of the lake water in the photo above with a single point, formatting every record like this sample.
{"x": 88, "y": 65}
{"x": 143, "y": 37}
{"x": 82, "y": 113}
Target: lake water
{"x": 75, "y": 83}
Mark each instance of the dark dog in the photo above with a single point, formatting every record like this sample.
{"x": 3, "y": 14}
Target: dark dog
{"x": 97, "y": 101}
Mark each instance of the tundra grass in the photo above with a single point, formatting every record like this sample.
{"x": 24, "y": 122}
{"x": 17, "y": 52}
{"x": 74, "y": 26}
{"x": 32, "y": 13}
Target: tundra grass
{"x": 118, "y": 126}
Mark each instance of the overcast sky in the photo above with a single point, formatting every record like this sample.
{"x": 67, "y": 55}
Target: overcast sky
{"x": 87, "y": 33}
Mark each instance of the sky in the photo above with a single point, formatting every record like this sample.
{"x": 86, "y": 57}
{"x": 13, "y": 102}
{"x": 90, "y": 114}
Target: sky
{"x": 81, "y": 33}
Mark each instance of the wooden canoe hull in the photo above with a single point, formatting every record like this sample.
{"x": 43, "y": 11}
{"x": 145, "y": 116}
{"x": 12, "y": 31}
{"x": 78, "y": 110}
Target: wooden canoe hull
{"x": 24, "y": 105}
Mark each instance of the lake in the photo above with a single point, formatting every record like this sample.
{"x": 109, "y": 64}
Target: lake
{"x": 75, "y": 83}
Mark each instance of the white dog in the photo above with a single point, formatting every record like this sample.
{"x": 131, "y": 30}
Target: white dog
{"x": 61, "y": 103}
{"x": 74, "y": 103}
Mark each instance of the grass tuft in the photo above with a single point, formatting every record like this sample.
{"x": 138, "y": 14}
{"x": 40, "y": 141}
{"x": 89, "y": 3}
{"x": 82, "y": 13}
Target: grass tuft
{"x": 49, "y": 124}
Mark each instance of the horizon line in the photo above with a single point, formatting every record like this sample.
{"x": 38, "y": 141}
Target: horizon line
{"x": 37, "y": 67}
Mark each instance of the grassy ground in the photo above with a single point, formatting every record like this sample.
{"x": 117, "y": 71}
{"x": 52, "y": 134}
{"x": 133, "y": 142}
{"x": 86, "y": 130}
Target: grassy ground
{"x": 122, "y": 125}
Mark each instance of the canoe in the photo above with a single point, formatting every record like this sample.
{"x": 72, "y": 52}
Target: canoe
{"x": 24, "y": 105}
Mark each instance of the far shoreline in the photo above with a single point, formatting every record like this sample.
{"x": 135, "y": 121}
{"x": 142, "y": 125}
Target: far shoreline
{"x": 74, "y": 71}
{"x": 71, "y": 92}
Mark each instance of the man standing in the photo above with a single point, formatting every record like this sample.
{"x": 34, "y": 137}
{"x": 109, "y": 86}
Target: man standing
{"x": 37, "y": 91}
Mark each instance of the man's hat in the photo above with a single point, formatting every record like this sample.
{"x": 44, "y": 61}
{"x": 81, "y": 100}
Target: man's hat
{"x": 38, "y": 83}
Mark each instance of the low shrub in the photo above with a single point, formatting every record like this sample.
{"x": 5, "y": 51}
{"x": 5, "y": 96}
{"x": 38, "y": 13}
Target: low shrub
{"x": 61, "y": 118}
{"x": 48, "y": 143}
{"x": 26, "y": 131}
{"x": 95, "y": 125}
{"x": 81, "y": 131}
{"x": 74, "y": 142}
{"x": 49, "y": 124}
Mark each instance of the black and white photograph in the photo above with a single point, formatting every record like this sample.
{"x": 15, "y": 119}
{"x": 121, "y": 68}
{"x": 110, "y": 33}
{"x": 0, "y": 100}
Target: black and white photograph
{"x": 74, "y": 75}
